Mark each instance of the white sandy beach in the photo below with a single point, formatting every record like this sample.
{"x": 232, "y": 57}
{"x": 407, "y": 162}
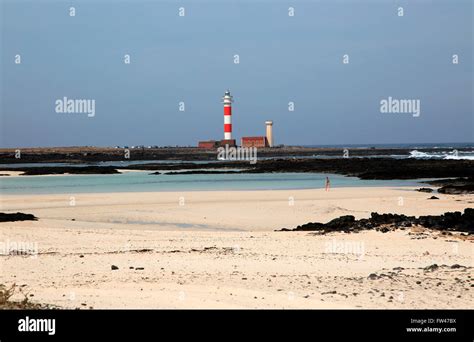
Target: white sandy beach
{"x": 218, "y": 249}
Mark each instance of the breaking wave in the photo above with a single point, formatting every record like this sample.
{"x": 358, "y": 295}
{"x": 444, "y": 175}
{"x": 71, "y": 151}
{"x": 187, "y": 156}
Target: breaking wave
{"x": 466, "y": 155}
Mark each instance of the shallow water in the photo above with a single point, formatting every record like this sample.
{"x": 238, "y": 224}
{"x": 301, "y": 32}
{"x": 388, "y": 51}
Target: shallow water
{"x": 145, "y": 182}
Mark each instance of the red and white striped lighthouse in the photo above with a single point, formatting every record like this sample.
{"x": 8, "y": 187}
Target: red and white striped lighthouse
{"x": 227, "y": 101}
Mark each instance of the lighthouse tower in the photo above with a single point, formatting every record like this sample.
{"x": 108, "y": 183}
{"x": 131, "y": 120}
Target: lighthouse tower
{"x": 227, "y": 101}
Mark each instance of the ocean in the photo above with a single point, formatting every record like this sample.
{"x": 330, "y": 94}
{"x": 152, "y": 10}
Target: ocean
{"x": 437, "y": 150}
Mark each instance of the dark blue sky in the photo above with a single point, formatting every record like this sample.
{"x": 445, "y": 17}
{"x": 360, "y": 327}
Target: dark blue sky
{"x": 190, "y": 59}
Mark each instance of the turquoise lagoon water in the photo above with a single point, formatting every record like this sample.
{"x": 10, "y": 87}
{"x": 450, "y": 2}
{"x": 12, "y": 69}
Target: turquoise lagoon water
{"x": 145, "y": 182}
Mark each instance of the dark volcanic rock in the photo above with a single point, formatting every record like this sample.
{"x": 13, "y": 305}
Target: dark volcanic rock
{"x": 452, "y": 181}
{"x": 58, "y": 170}
{"x": 457, "y": 189}
{"x": 311, "y": 226}
{"x": 5, "y": 217}
{"x": 433, "y": 197}
{"x": 424, "y": 190}
{"x": 88, "y": 154}
{"x": 370, "y": 168}
{"x": 379, "y": 219}
{"x": 450, "y": 221}
{"x": 455, "y": 186}
{"x": 343, "y": 223}
{"x": 364, "y": 168}
{"x": 457, "y": 266}
{"x": 469, "y": 214}
{"x": 431, "y": 268}
{"x": 442, "y": 222}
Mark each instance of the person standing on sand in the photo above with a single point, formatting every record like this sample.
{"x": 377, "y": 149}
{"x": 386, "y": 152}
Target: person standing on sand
{"x": 328, "y": 183}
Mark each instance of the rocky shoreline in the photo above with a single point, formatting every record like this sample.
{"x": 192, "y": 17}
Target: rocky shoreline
{"x": 363, "y": 168}
{"x": 60, "y": 170}
{"x": 454, "y": 186}
{"x": 450, "y": 221}
{"x": 86, "y": 154}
